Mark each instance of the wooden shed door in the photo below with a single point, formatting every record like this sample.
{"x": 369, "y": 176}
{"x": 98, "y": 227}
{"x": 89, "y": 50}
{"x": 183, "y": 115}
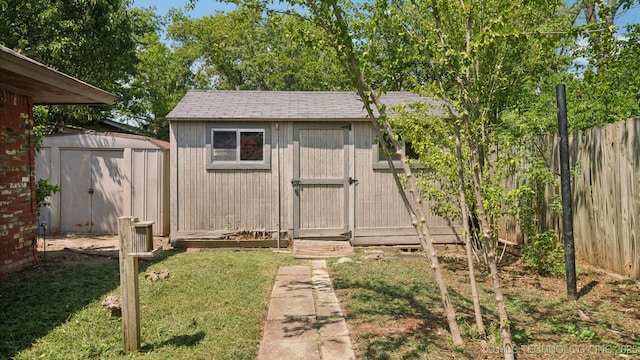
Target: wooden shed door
{"x": 91, "y": 197}
{"x": 321, "y": 181}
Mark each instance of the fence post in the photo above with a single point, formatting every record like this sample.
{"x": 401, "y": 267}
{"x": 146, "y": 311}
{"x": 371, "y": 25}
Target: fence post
{"x": 129, "y": 286}
{"x": 567, "y": 213}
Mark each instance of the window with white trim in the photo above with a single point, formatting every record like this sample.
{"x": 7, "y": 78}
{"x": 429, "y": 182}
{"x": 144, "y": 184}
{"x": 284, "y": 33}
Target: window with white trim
{"x": 238, "y": 148}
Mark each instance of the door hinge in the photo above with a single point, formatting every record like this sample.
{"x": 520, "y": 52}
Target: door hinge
{"x": 347, "y": 234}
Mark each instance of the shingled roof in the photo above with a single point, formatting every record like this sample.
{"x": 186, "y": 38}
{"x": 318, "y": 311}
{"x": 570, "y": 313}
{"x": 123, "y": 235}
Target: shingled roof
{"x": 282, "y": 105}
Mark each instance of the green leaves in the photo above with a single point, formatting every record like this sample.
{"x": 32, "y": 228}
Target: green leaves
{"x": 162, "y": 77}
{"x": 44, "y": 189}
{"x": 251, "y": 49}
{"x": 87, "y": 39}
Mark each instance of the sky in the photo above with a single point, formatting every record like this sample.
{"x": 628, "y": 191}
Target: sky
{"x": 205, "y": 7}
{"x": 202, "y": 7}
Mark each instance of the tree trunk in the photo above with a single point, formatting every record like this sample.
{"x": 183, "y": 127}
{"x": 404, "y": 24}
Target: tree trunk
{"x": 505, "y": 324}
{"x": 415, "y": 208}
{"x": 334, "y": 25}
{"x": 467, "y": 232}
{"x": 489, "y": 246}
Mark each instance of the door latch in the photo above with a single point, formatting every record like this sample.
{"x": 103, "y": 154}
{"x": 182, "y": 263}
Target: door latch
{"x": 296, "y": 185}
{"x": 352, "y": 181}
{"x": 90, "y": 191}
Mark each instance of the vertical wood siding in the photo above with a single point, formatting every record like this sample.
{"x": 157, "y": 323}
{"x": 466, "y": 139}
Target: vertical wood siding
{"x": 263, "y": 200}
{"x": 377, "y": 201}
{"x": 322, "y": 156}
{"x": 149, "y": 188}
{"x": 285, "y": 152}
{"x": 220, "y": 199}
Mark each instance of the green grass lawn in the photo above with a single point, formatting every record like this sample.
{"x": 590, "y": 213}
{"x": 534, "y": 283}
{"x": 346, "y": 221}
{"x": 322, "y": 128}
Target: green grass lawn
{"x": 211, "y": 307}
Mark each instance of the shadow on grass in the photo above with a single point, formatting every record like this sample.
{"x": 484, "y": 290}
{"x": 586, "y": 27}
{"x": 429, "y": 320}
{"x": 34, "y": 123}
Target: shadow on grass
{"x": 587, "y": 288}
{"x": 394, "y": 317}
{"x": 176, "y": 341}
{"x": 35, "y": 301}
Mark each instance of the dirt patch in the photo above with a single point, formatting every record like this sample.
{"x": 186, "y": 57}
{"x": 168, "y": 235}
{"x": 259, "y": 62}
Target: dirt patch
{"x": 396, "y": 328}
{"x": 84, "y": 248}
{"x": 603, "y": 324}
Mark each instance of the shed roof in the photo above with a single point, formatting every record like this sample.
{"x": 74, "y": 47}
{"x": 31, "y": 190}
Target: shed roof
{"x": 45, "y": 85}
{"x": 104, "y": 140}
{"x": 283, "y": 105}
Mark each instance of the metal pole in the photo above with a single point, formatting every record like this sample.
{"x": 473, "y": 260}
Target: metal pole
{"x": 567, "y": 214}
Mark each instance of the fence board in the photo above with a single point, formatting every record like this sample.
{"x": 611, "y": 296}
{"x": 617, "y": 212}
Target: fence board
{"x": 606, "y": 165}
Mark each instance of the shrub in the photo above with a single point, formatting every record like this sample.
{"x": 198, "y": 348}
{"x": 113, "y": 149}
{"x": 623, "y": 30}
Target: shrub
{"x": 44, "y": 189}
{"x": 545, "y": 254}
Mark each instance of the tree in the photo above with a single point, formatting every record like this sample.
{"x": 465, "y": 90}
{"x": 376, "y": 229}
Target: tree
{"x": 162, "y": 77}
{"x": 331, "y": 18}
{"x": 477, "y": 58}
{"x": 87, "y": 39}
{"x": 248, "y": 49}
{"x": 597, "y": 64}
{"x": 482, "y": 56}
{"x": 607, "y": 75}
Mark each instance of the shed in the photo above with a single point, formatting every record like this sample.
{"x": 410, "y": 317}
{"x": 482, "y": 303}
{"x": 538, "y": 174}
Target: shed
{"x": 104, "y": 176}
{"x": 24, "y": 83}
{"x": 288, "y": 165}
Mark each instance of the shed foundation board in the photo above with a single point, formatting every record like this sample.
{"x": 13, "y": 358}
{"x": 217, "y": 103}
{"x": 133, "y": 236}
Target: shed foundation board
{"x": 404, "y": 240}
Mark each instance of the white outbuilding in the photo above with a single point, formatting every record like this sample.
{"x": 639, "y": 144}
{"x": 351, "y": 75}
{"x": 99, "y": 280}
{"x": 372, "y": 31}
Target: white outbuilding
{"x": 104, "y": 176}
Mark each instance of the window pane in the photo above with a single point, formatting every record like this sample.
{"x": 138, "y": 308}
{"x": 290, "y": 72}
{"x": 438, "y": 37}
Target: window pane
{"x": 224, "y": 145}
{"x": 251, "y": 145}
{"x": 410, "y": 152}
{"x": 394, "y": 155}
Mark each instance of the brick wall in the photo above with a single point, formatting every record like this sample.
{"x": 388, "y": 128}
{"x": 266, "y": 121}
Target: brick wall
{"x": 18, "y": 223}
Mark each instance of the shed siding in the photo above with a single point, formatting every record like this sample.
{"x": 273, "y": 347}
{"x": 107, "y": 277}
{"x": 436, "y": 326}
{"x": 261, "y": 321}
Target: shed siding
{"x": 380, "y": 214}
{"x": 149, "y": 187}
{"x": 134, "y": 182}
{"x": 378, "y": 203}
{"x": 225, "y": 199}
{"x": 263, "y": 199}
{"x": 285, "y": 151}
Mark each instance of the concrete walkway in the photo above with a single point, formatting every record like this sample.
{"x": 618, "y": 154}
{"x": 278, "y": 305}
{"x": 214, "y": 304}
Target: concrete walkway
{"x": 304, "y": 320}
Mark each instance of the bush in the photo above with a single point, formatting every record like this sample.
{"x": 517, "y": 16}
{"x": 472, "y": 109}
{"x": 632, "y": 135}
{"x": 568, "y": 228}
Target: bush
{"x": 44, "y": 189}
{"x": 545, "y": 254}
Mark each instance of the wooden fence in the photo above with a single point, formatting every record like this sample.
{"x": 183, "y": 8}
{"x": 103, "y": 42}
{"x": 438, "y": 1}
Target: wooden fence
{"x": 605, "y": 186}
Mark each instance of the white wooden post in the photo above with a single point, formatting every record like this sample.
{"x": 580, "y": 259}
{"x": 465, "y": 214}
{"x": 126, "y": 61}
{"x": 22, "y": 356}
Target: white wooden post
{"x": 129, "y": 286}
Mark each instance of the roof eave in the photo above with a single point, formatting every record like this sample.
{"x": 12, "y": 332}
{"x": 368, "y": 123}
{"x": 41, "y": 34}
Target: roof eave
{"x": 45, "y": 85}
{"x": 239, "y": 119}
